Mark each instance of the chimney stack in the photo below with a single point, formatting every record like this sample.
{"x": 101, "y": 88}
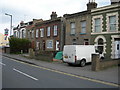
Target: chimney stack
{"x": 53, "y": 15}
{"x": 92, "y": 4}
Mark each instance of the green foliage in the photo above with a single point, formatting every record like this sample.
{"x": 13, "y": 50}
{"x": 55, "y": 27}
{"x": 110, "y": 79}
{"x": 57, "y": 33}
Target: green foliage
{"x": 17, "y": 44}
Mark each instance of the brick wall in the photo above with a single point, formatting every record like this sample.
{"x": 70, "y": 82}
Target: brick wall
{"x": 98, "y": 64}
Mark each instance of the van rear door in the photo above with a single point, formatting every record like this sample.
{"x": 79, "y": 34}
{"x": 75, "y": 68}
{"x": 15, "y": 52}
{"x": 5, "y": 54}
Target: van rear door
{"x": 69, "y": 53}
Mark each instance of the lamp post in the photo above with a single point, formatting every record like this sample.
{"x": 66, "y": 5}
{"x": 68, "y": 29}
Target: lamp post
{"x": 10, "y": 22}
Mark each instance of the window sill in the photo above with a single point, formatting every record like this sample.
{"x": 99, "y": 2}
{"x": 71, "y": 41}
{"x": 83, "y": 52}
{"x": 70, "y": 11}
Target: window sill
{"x": 72, "y": 34}
{"x": 82, "y": 33}
{"x": 49, "y": 48}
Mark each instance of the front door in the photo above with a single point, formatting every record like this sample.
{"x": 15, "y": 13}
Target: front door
{"x": 57, "y": 45}
{"x": 117, "y": 49}
{"x": 43, "y": 45}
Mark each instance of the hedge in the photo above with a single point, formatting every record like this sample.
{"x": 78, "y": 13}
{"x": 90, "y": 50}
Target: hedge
{"x": 18, "y": 44}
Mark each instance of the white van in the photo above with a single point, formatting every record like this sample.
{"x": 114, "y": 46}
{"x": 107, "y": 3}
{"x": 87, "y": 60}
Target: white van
{"x": 78, "y": 54}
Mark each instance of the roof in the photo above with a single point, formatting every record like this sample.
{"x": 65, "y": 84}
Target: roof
{"x": 48, "y": 21}
{"x": 77, "y": 14}
{"x": 108, "y": 7}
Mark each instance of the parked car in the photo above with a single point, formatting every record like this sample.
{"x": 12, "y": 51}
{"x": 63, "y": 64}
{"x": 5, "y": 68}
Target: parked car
{"x": 78, "y": 54}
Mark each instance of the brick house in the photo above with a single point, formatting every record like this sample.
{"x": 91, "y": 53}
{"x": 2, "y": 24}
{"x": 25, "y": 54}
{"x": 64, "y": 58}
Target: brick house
{"x": 106, "y": 30}
{"x": 78, "y": 26}
{"x": 30, "y": 31}
{"x": 26, "y": 30}
{"x": 49, "y": 34}
{"x": 20, "y": 30}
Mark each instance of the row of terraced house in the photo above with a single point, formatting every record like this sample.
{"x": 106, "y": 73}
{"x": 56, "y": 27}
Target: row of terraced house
{"x": 95, "y": 26}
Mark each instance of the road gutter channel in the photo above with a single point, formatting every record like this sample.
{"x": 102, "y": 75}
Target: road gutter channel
{"x": 65, "y": 73}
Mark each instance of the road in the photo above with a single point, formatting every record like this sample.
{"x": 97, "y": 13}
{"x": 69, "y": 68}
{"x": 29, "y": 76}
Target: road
{"x": 16, "y": 74}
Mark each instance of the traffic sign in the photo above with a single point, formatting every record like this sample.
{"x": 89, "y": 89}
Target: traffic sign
{"x": 6, "y": 31}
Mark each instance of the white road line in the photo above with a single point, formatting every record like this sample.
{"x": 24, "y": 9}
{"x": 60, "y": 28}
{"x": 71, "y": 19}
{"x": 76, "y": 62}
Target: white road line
{"x": 2, "y": 63}
{"x": 25, "y": 74}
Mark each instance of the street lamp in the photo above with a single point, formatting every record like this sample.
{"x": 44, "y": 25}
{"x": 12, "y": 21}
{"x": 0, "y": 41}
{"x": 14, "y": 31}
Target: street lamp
{"x": 10, "y": 22}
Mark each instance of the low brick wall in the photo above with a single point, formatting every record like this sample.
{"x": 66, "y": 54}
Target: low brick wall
{"x": 98, "y": 64}
{"x": 106, "y": 64}
{"x": 45, "y": 55}
{"x": 7, "y": 50}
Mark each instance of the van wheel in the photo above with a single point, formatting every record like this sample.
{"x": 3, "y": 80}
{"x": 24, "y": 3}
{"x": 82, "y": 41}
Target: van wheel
{"x": 82, "y": 63}
{"x": 70, "y": 64}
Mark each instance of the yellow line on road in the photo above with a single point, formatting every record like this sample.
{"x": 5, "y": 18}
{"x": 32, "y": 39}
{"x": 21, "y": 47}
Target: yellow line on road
{"x": 81, "y": 77}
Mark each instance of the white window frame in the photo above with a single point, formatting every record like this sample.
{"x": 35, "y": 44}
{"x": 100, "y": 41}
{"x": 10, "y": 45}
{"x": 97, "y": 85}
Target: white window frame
{"x": 22, "y": 33}
{"x": 72, "y": 28}
{"x": 32, "y": 33}
{"x": 48, "y": 31}
{"x": 37, "y": 33}
{"x": 55, "y": 30}
{"x": 41, "y": 32}
{"x": 112, "y": 24}
{"x": 29, "y": 34}
{"x": 83, "y": 27}
{"x": 107, "y": 20}
{"x": 93, "y": 24}
{"x": 19, "y": 34}
{"x": 37, "y": 45}
{"x": 97, "y": 26}
{"x": 49, "y": 44}
{"x": 15, "y": 34}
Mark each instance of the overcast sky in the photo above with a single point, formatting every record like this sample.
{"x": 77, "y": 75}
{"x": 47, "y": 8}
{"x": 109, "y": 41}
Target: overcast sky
{"x": 26, "y": 10}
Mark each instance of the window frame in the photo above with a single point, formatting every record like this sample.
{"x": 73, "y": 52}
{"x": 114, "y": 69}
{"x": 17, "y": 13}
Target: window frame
{"x": 41, "y": 32}
{"x": 32, "y": 33}
{"x": 112, "y": 24}
{"x": 98, "y": 26}
{"x": 37, "y": 45}
{"x": 108, "y": 25}
{"x": 72, "y": 29}
{"x": 48, "y": 46}
{"x": 83, "y": 27}
{"x": 93, "y": 24}
{"x": 48, "y": 31}
{"x": 37, "y": 33}
{"x": 55, "y": 28}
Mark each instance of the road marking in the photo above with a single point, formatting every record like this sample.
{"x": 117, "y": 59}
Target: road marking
{"x": 25, "y": 74}
{"x": 2, "y": 64}
{"x": 81, "y": 77}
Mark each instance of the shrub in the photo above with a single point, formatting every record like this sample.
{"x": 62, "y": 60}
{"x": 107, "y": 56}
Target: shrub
{"x": 18, "y": 44}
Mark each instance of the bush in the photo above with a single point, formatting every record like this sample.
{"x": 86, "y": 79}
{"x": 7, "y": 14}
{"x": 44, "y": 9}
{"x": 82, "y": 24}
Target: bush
{"x": 17, "y": 44}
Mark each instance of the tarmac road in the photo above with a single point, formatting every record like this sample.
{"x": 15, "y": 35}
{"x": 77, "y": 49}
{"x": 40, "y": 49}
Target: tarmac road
{"x": 16, "y": 74}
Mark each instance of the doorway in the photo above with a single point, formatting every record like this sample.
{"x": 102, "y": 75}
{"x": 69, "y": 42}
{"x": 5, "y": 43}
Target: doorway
{"x": 117, "y": 49}
{"x": 44, "y": 45}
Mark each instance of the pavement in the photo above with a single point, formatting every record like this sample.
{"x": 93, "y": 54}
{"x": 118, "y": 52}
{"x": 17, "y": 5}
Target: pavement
{"x": 108, "y": 75}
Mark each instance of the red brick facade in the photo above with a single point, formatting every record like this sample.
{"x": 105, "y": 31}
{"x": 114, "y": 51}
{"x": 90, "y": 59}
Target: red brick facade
{"x": 48, "y": 40}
